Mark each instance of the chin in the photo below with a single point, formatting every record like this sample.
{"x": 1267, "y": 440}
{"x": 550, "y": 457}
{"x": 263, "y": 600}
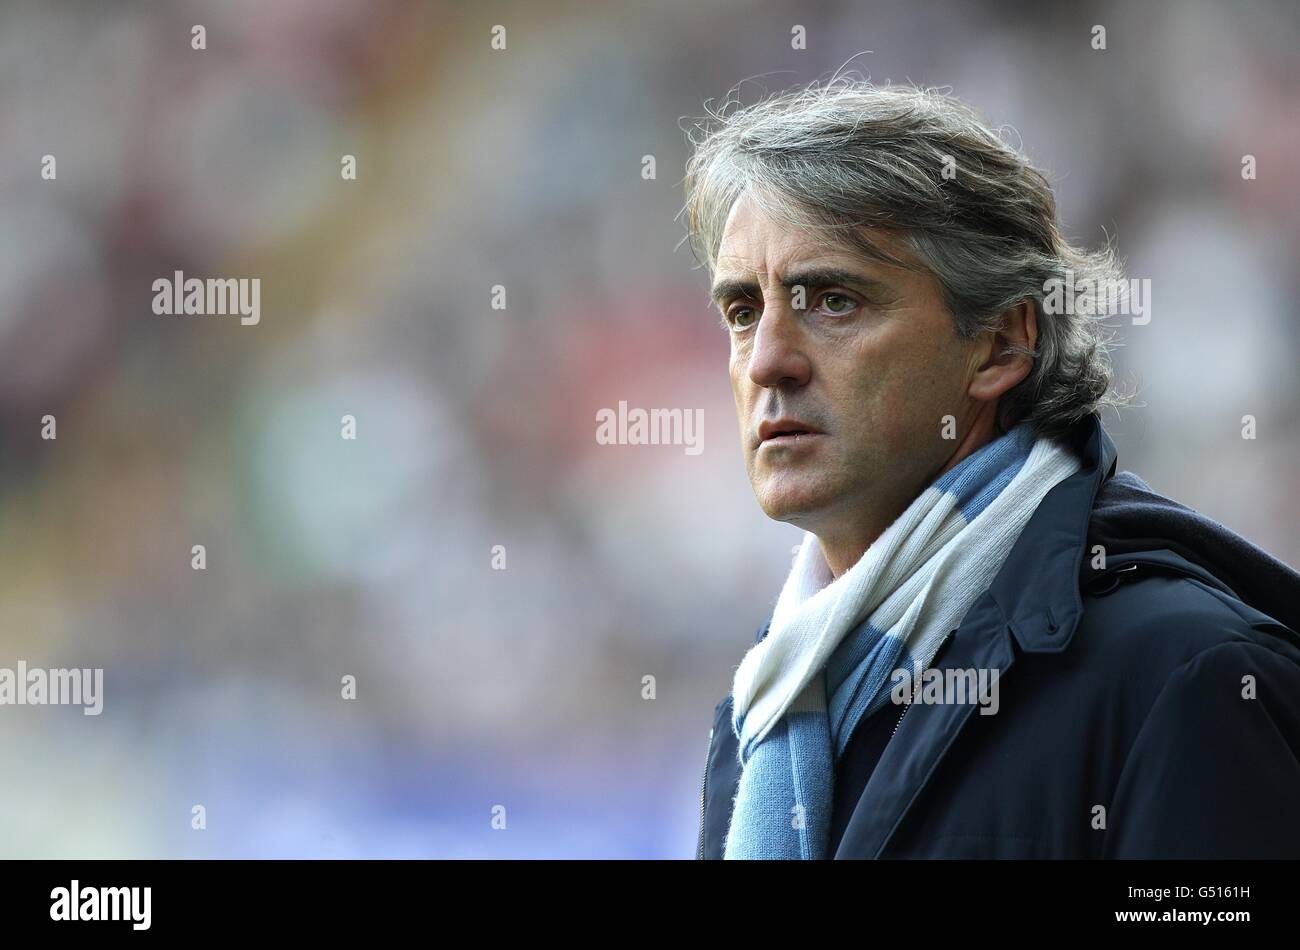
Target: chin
{"x": 796, "y": 504}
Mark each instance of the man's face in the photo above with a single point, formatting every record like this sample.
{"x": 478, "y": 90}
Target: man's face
{"x": 841, "y": 404}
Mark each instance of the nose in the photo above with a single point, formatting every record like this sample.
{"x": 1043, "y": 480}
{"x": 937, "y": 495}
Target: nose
{"x": 777, "y": 357}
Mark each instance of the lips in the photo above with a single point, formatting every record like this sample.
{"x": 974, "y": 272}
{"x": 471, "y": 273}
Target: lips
{"x": 785, "y": 431}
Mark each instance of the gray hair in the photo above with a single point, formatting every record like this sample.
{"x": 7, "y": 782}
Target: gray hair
{"x": 848, "y": 155}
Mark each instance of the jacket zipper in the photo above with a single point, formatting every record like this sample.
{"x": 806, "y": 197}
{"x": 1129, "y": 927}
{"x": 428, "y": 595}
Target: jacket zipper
{"x": 937, "y": 653}
{"x": 900, "y": 720}
{"x": 704, "y": 784}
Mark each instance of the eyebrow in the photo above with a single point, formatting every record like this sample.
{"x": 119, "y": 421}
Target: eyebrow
{"x": 811, "y": 278}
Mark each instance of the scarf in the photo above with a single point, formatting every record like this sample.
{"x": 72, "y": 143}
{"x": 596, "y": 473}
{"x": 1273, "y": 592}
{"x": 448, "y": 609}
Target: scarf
{"x": 833, "y": 643}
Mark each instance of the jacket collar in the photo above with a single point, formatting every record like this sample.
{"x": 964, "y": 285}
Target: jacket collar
{"x": 1037, "y": 588}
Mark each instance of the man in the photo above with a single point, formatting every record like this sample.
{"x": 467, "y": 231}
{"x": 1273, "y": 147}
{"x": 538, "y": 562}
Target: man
{"x": 911, "y": 395}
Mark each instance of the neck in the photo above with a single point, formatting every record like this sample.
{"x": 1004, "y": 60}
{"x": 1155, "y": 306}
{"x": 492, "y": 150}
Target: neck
{"x": 843, "y": 549}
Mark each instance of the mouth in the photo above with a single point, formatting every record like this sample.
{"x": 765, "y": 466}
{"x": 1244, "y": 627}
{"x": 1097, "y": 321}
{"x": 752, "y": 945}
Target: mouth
{"x": 788, "y": 432}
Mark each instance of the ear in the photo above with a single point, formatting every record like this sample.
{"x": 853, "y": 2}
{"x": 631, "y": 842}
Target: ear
{"x": 1005, "y": 359}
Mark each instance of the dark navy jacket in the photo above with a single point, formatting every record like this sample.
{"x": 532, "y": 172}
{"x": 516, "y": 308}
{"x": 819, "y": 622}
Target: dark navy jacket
{"x": 1149, "y": 709}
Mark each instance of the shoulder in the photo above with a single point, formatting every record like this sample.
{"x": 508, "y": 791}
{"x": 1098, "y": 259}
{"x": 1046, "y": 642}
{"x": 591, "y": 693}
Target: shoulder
{"x": 1158, "y": 611}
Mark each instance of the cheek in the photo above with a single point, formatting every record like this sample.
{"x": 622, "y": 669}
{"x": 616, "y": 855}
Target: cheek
{"x": 897, "y": 390}
{"x": 740, "y": 382}
{"x": 879, "y": 377}
{"x": 930, "y": 394}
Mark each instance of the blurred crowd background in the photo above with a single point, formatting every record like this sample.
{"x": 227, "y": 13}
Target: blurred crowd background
{"x": 521, "y": 167}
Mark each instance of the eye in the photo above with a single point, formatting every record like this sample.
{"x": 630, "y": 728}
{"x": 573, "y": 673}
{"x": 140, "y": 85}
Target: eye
{"x": 847, "y": 304}
{"x": 741, "y": 318}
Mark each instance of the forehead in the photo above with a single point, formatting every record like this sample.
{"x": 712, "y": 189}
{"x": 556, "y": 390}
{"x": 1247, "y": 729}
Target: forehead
{"x": 755, "y": 242}
{"x": 751, "y": 234}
